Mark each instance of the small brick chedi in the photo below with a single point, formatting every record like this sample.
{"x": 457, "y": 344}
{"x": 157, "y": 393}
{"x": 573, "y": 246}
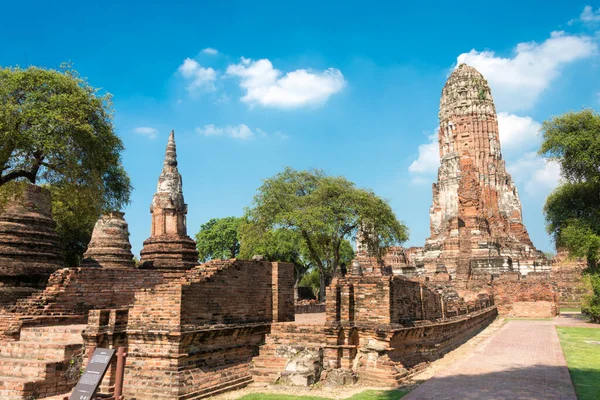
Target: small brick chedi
{"x": 109, "y": 246}
{"x": 169, "y": 247}
{"x": 29, "y": 246}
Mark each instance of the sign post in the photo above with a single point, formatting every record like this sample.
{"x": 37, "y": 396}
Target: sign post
{"x": 92, "y": 376}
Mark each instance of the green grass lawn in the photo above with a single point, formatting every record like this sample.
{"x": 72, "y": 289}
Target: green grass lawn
{"x": 582, "y": 351}
{"x": 366, "y": 395}
{"x": 570, "y": 309}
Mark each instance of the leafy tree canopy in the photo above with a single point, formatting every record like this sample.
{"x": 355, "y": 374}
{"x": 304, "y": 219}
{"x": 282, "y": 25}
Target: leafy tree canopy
{"x": 572, "y": 210}
{"x": 284, "y": 245}
{"x": 56, "y": 130}
{"x": 218, "y": 239}
{"x": 573, "y": 140}
{"x": 324, "y": 211}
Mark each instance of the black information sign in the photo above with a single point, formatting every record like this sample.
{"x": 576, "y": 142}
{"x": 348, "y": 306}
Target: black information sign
{"x": 93, "y": 374}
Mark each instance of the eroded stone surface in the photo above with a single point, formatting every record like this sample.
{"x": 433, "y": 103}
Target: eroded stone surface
{"x": 109, "y": 246}
{"x": 476, "y": 211}
{"x": 476, "y": 221}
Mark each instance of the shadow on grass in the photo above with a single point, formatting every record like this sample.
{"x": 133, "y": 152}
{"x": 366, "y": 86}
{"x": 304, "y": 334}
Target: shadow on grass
{"x": 586, "y": 382}
{"x": 379, "y": 395}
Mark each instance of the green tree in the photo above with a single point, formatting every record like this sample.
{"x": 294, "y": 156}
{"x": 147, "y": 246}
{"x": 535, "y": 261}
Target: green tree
{"x": 284, "y": 245}
{"x": 274, "y": 245}
{"x": 218, "y": 238}
{"x": 324, "y": 211}
{"x": 572, "y": 210}
{"x": 57, "y": 131}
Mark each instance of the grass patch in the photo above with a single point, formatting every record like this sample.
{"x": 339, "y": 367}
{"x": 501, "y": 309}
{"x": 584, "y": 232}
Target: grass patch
{"x": 379, "y": 395}
{"x": 366, "y": 395}
{"x": 582, "y": 351}
{"x": 570, "y": 309}
{"x": 262, "y": 396}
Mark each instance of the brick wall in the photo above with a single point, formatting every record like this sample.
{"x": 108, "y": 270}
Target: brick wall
{"x": 72, "y": 292}
{"x": 534, "y": 296}
{"x": 380, "y": 300}
{"x": 570, "y": 284}
{"x": 373, "y": 355}
{"x": 283, "y": 292}
{"x": 196, "y": 336}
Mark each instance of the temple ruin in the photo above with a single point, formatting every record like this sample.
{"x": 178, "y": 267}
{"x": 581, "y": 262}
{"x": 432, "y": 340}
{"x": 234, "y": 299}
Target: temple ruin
{"x": 475, "y": 219}
{"x": 192, "y": 331}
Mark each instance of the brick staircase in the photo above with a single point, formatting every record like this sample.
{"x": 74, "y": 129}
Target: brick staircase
{"x": 44, "y": 362}
{"x": 274, "y": 355}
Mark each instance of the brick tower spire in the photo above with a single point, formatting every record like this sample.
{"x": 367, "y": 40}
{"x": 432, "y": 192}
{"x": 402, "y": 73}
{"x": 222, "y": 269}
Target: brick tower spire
{"x": 169, "y": 247}
{"x": 476, "y": 211}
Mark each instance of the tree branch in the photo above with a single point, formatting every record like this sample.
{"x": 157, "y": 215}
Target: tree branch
{"x": 11, "y": 176}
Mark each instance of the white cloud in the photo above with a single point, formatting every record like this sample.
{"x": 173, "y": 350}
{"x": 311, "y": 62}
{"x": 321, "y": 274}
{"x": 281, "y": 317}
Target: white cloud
{"x": 240, "y": 131}
{"x": 518, "y": 81}
{"x": 147, "y": 131}
{"x": 517, "y": 133}
{"x": 428, "y": 161}
{"x": 199, "y": 76}
{"x": 268, "y": 87}
{"x": 282, "y": 135}
{"x": 589, "y": 15}
{"x": 538, "y": 175}
{"x": 210, "y": 51}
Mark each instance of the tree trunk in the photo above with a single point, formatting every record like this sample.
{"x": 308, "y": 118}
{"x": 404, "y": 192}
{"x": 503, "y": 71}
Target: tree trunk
{"x": 322, "y": 285}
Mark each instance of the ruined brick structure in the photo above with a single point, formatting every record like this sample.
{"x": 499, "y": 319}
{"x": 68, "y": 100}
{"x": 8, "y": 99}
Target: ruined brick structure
{"x": 476, "y": 211}
{"x": 109, "y": 246}
{"x": 379, "y": 330}
{"x": 477, "y": 232}
{"x": 29, "y": 246}
{"x": 169, "y": 247}
{"x": 190, "y": 331}
{"x": 193, "y": 331}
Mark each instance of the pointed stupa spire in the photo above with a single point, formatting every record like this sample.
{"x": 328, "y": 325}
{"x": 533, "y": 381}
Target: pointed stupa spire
{"x": 169, "y": 191}
{"x": 169, "y": 248}
{"x": 171, "y": 153}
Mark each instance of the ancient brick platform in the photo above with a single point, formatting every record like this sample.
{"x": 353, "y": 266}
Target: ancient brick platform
{"x": 195, "y": 336}
{"x": 45, "y": 361}
{"x": 379, "y": 330}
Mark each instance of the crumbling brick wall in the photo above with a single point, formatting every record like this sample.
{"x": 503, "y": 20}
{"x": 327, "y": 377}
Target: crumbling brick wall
{"x": 196, "y": 336}
{"x": 534, "y": 296}
{"x": 72, "y": 292}
{"x": 572, "y": 288}
{"x": 380, "y": 300}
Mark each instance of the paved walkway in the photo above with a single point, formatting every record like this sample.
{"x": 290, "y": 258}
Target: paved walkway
{"x": 574, "y": 319}
{"x": 522, "y": 360}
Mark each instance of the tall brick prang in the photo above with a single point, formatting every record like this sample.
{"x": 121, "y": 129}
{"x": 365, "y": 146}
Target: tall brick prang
{"x": 169, "y": 247}
{"x": 476, "y": 211}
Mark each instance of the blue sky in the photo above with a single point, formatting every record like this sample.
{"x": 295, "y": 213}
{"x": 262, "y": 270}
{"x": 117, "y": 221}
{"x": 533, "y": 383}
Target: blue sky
{"x": 349, "y": 87}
